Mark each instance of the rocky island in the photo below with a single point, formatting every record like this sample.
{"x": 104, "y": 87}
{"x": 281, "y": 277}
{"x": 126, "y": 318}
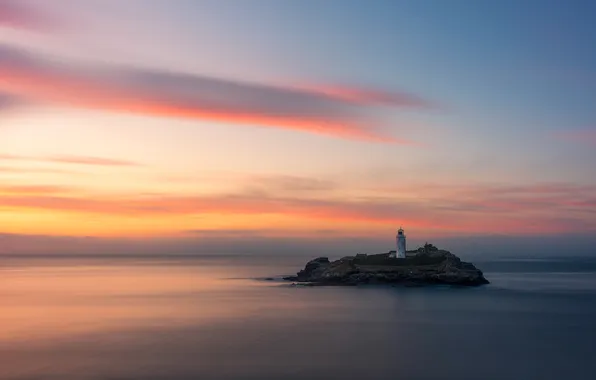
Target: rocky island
{"x": 427, "y": 265}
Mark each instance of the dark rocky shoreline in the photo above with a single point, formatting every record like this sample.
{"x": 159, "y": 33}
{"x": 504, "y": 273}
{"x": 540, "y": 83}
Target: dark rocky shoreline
{"x": 427, "y": 265}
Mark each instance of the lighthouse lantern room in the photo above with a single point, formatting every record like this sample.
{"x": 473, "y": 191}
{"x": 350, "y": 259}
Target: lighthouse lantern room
{"x": 401, "y": 244}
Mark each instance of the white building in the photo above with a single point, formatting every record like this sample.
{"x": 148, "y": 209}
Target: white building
{"x": 400, "y": 252}
{"x": 401, "y": 244}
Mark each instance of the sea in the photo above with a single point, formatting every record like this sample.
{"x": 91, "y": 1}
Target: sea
{"x": 218, "y": 317}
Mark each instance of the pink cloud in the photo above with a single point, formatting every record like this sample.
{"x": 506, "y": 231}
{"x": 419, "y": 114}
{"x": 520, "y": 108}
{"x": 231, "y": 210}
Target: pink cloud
{"x": 8, "y": 101}
{"x": 176, "y": 95}
{"x": 585, "y": 136}
{"x": 18, "y": 15}
{"x": 360, "y": 95}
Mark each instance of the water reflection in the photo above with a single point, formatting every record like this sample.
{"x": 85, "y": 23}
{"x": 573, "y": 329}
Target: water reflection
{"x": 206, "y": 319}
{"x": 43, "y": 302}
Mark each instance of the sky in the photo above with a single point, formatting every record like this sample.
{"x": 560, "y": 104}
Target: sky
{"x": 298, "y": 119}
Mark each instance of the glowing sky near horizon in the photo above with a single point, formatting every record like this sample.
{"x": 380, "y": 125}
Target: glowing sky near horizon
{"x": 296, "y": 118}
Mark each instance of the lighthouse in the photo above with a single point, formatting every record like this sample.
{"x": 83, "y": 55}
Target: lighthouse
{"x": 401, "y": 244}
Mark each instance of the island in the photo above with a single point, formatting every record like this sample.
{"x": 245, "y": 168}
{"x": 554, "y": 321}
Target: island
{"x": 426, "y": 265}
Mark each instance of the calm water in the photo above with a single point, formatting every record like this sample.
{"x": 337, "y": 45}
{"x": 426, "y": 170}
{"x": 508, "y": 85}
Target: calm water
{"x": 207, "y": 318}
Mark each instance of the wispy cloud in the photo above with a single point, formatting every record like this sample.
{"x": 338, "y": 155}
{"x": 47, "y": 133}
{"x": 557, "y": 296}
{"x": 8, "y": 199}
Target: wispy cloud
{"x": 255, "y": 182}
{"x": 262, "y": 233}
{"x": 499, "y": 199}
{"x": 535, "y": 209}
{"x": 25, "y": 171}
{"x": 85, "y": 160}
{"x": 17, "y": 14}
{"x": 5, "y": 101}
{"x": 584, "y": 136}
{"x": 287, "y": 183}
{"x": 230, "y": 205}
{"x": 361, "y": 95}
{"x": 33, "y": 189}
{"x": 9, "y": 101}
{"x": 169, "y": 94}
{"x": 70, "y": 159}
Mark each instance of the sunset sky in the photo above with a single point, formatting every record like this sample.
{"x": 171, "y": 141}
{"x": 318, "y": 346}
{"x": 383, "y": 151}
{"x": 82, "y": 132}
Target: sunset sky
{"x": 305, "y": 118}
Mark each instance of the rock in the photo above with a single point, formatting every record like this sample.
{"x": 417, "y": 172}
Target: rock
{"x": 313, "y": 269}
{"x": 429, "y": 265}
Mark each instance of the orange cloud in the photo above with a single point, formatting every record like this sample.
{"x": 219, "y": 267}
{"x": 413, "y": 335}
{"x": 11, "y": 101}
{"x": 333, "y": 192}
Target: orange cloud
{"x": 70, "y": 159}
{"x": 481, "y": 213}
{"x": 9, "y": 157}
{"x": 86, "y": 160}
{"x": 20, "y": 170}
{"x": 33, "y": 189}
{"x": 167, "y": 94}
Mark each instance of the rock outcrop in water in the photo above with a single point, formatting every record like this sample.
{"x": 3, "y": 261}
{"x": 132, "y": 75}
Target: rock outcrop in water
{"x": 426, "y": 266}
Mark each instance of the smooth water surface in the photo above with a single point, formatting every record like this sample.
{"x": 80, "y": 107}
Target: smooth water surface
{"x": 208, "y": 318}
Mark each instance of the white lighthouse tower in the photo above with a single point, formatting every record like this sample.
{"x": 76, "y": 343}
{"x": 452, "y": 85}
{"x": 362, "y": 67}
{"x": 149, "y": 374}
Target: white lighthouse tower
{"x": 401, "y": 244}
